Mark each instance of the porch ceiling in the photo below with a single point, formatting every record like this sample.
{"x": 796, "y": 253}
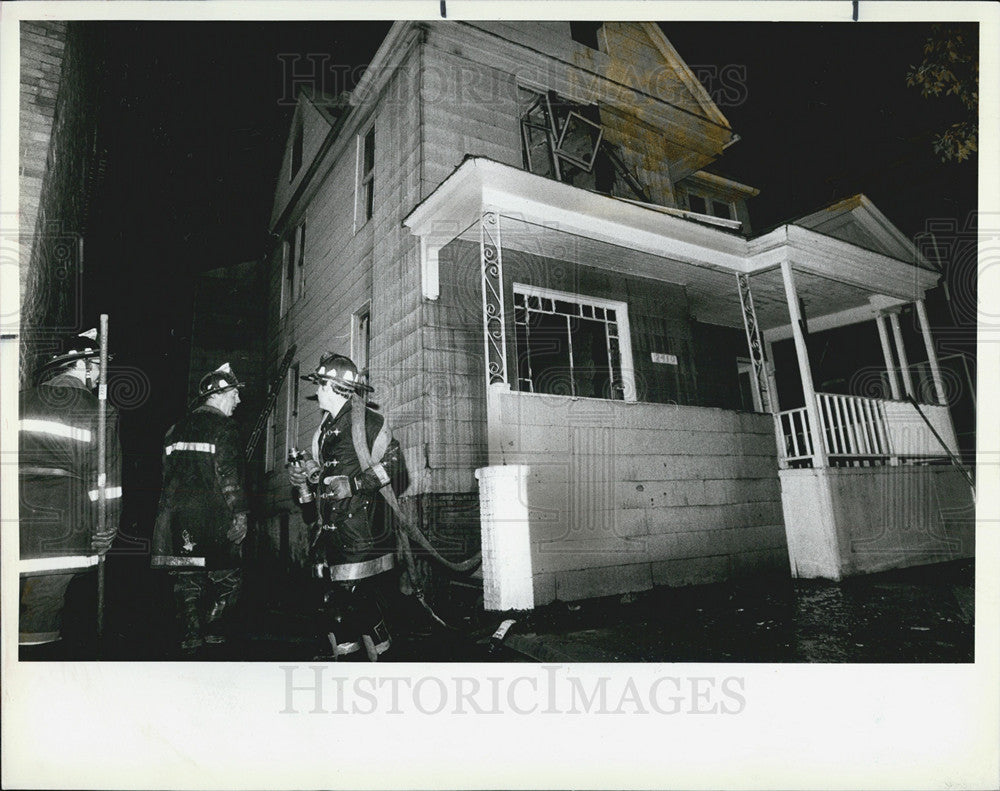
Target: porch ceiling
{"x": 837, "y": 281}
{"x": 713, "y": 293}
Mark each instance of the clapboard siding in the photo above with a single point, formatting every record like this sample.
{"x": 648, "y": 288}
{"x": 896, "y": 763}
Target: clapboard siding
{"x": 619, "y": 494}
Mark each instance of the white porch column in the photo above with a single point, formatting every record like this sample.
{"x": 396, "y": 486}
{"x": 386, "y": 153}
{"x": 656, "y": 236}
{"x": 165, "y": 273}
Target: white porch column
{"x": 805, "y": 370}
{"x": 890, "y": 367}
{"x": 769, "y": 349}
{"x": 904, "y": 363}
{"x": 932, "y": 359}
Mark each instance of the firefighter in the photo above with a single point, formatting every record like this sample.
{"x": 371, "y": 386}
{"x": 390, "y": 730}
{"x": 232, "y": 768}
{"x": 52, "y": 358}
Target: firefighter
{"x": 59, "y": 487}
{"x": 353, "y": 545}
{"x": 202, "y": 516}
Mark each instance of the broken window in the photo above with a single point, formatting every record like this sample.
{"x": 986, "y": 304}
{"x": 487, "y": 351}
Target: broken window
{"x": 564, "y": 140}
{"x": 585, "y": 33}
{"x": 568, "y": 345}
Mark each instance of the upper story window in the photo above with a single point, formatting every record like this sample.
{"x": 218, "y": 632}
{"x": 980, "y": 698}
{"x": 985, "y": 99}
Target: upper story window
{"x": 564, "y": 140}
{"x": 716, "y": 207}
{"x": 572, "y": 345}
{"x": 366, "y": 177}
{"x": 585, "y": 33}
{"x": 361, "y": 336}
{"x": 293, "y": 261}
{"x": 297, "y": 144}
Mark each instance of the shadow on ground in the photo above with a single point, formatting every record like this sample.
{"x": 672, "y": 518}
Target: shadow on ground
{"x": 922, "y": 614}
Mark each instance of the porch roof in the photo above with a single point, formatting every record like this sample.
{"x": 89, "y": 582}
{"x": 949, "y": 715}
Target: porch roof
{"x": 839, "y": 282}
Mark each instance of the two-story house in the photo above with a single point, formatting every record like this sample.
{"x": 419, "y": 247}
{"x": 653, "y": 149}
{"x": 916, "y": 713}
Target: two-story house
{"x": 568, "y": 323}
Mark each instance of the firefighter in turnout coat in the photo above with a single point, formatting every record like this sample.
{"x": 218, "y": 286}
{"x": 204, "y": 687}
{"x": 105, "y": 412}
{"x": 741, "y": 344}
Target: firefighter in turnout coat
{"x": 202, "y": 516}
{"x": 353, "y": 545}
{"x": 60, "y": 485}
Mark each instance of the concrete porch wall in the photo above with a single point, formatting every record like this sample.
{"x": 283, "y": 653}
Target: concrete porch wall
{"x": 624, "y": 496}
{"x": 857, "y": 520}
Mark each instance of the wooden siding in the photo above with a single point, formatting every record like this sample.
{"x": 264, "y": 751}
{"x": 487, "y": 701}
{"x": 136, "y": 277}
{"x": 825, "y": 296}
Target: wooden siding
{"x": 314, "y": 131}
{"x": 627, "y": 496}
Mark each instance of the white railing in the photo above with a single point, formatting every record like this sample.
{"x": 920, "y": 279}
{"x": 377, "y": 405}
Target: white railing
{"x": 793, "y": 427}
{"x": 853, "y": 429}
{"x": 865, "y": 430}
{"x": 853, "y": 426}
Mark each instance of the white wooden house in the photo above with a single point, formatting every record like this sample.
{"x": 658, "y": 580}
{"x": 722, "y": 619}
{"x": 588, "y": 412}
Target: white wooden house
{"x": 566, "y": 320}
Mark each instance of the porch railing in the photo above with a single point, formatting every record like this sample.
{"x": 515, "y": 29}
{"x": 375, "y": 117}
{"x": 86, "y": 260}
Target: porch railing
{"x": 793, "y": 427}
{"x": 853, "y": 426}
{"x": 853, "y": 430}
{"x": 858, "y": 430}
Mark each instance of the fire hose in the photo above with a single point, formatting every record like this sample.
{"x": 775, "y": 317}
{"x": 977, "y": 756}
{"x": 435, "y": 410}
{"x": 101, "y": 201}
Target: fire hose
{"x": 406, "y": 530}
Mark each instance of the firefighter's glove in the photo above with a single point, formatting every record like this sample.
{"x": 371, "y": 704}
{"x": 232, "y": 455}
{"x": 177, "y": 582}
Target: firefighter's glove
{"x": 337, "y": 487}
{"x": 238, "y": 531}
{"x": 101, "y": 541}
{"x": 297, "y": 475}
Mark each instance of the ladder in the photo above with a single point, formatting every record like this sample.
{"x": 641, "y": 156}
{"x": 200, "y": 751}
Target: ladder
{"x": 272, "y": 397}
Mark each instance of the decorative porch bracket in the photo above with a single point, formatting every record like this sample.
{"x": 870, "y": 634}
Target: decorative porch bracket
{"x": 753, "y": 341}
{"x": 495, "y": 336}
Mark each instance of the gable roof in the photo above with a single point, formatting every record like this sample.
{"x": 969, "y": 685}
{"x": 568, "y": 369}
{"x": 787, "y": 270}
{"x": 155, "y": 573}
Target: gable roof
{"x": 857, "y": 220}
{"x": 686, "y": 76}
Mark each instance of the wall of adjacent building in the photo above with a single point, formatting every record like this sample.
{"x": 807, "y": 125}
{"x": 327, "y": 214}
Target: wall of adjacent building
{"x": 60, "y": 81}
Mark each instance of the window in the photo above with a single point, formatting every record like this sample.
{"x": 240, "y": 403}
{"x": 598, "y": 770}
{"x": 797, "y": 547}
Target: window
{"x": 292, "y": 408}
{"x": 716, "y": 207}
{"x": 300, "y": 261}
{"x": 721, "y": 209}
{"x": 297, "y": 142}
{"x": 361, "y": 335}
{"x": 293, "y": 263}
{"x": 696, "y": 203}
{"x": 564, "y": 140}
{"x": 286, "y": 277}
{"x": 366, "y": 177}
{"x": 572, "y": 345}
{"x": 585, "y": 33}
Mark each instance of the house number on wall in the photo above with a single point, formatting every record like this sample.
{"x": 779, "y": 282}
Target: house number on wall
{"x": 668, "y": 359}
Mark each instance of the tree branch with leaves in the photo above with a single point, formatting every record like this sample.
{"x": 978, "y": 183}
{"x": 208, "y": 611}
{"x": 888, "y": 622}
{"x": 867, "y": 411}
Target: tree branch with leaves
{"x": 951, "y": 68}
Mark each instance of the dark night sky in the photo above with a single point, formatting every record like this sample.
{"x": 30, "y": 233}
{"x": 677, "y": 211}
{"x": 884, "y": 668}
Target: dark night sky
{"x": 194, "y": 125}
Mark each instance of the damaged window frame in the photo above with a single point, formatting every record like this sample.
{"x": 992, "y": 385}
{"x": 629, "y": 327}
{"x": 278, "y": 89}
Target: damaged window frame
{"x": 561, "y": 117}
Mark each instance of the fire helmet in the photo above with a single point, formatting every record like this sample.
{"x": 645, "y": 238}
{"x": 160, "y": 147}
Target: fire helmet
{"x": 80, "y": 347}
{"x": 218, "y": 381}
{"x": 339, "y": 371}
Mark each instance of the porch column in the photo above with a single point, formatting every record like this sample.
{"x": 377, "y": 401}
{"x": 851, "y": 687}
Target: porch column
{"x": 494, "y": 334}
{"x": 754, "y": 344}
{"x": 904, "y": 363}
{"x": 769, "y": 365}
{"x": 890, "y": 367}
{"x": 932, "y": 359}
{"x": 805, "y": 370}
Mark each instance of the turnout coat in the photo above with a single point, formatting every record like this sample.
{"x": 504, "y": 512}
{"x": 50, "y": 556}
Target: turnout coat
{"x": 356, "y": 528}
{"x": 203, "y": 491}
{"x": 58, "y": 475}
